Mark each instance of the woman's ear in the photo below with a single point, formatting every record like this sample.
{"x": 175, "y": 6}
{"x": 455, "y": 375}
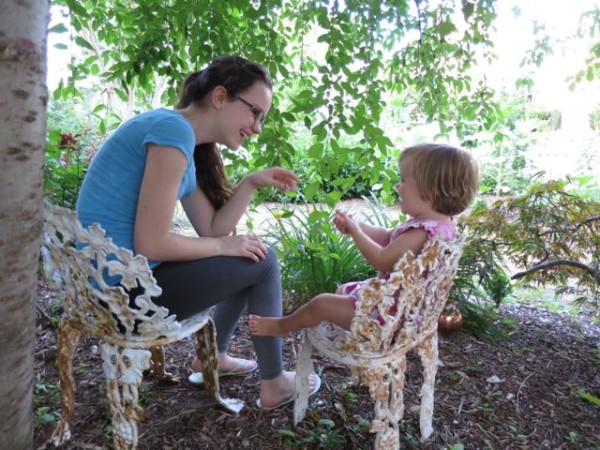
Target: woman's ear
{"x": 219, "y": 97}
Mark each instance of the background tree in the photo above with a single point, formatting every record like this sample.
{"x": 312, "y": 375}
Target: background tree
{"x": 335, "y": 65}
{"x": 23, "y": 97}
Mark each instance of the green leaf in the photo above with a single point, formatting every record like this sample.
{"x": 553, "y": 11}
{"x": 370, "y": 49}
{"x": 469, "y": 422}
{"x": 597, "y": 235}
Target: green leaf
{"x": 58, "y": 28}
{"x": 312, "y": 189}
{"x": 589, "y": 397}
{"x": 445, "y": 28}
{"x": 83, "y": 43}
{"x": 334, "y": 197}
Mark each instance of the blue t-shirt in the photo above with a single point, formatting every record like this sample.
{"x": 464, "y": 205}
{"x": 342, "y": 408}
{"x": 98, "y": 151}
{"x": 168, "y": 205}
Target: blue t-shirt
{"x": 111, "y": 187}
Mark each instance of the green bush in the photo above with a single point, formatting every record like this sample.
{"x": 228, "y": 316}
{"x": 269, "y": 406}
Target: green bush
{"x": 349, "y": 180}
{"x": 314, "y": 256}
{"x": 66, "y": 163}
{"x": 550, "y": 234}
{"x": 70, "y": 146}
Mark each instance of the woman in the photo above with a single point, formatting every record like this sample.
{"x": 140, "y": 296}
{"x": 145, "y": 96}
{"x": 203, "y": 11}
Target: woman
{"x": 162, "y": 156}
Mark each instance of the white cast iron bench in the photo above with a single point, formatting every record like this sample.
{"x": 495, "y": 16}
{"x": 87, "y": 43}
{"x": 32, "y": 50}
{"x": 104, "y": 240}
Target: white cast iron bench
{"x": 376, "y": 352}
{"x": 132, "y": 337}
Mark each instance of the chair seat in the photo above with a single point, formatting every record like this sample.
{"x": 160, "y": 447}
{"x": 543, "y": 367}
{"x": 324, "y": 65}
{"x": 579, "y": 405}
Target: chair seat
{"x": 173, "y": 332}
{"x": 332, "y": 341}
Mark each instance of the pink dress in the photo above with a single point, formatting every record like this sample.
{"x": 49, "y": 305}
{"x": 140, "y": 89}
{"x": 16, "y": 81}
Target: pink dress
{"x": 447, "y": 229}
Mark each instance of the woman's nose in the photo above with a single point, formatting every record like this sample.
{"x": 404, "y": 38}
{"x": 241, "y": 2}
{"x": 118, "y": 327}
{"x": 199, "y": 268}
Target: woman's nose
{"x": 257, "y": 128}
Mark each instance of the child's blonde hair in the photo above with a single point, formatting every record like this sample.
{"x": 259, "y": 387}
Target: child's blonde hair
{"x": 447, "y": 176}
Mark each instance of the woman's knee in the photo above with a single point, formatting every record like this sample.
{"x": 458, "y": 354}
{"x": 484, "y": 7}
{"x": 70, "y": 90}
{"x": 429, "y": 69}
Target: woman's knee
{"x": 271, "y": 263}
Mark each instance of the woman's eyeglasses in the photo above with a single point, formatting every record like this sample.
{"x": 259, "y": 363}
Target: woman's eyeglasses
{"x": 259, "y": 114}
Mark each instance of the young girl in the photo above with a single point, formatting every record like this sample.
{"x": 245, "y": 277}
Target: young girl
{"x": 437, "y": 182}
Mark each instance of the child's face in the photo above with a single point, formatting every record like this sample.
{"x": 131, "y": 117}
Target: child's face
{"x": 411, "y": 202}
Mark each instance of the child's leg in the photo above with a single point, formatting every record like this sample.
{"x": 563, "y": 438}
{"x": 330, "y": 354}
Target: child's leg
{"x": 334, "y": 308}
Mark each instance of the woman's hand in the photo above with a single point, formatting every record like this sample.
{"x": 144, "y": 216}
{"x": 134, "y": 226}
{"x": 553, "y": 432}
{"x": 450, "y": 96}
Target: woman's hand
{"x": 273, "y": 177}
{"x": 344, "y": 222}
{"x": 244, "y": 245}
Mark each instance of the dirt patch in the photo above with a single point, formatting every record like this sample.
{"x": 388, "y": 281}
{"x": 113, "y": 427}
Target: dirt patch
{"x": 516, "y": 394}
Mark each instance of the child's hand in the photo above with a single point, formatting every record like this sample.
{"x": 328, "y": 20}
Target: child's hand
{"x": 339, "y": 222}
{"x": 344, "y": 222}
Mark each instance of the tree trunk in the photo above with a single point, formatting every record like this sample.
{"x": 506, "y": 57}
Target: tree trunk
{"x": 23, "y": 97}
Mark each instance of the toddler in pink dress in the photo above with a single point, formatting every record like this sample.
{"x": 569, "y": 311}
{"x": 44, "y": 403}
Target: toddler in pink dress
{"x": 437, "y": 182}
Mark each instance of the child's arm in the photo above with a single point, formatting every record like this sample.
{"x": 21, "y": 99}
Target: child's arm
{"x": 381, "y": 257}
{"x": 380, "y": 235}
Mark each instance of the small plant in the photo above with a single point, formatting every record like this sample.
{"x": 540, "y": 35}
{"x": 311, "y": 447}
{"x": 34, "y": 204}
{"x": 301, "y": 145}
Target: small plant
{"x": 456, "y": 447}
{"x": 44, "y": 397}
{"x": 410, "y": 439}
{"x": 314, "y": 257}
{"x": 361, "y": 426}
{"x": 325, "y": 434}
{"x": 589, "y": 397}
{"x": 67, "y": 160}
{"x": 454, "y": 377}
{"x": 515, "y": 435}
{"x": 145, "y": 395}
{"x": 82, "y": 369}
{"x": 509, "y": 323}
{"x": 45, "y": 415}
{"x": 350, "y": 397}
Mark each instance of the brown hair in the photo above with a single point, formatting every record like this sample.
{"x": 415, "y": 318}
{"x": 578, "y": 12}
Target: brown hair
{"x": 447, "y": 176}
{"x": 235, "y": 74}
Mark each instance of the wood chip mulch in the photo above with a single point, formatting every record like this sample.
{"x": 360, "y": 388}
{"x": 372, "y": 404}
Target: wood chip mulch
{"x": 521, "y": 393}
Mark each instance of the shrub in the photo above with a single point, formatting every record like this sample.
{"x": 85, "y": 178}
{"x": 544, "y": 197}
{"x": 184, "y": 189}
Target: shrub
{"x": 550, "y": 234}
{"x": 66, "y": 163}
{"x": 314, "y": 256}
{"x": 70, "y": 146}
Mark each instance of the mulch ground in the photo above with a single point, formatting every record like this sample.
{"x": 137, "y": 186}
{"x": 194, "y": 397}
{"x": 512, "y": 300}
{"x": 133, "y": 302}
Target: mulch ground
{"x": 520, "y": 393}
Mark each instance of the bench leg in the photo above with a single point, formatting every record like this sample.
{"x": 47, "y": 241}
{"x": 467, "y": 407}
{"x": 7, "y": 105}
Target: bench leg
{"x": 209, "y": 359}
{"x": 428, "y": 351}
{"x": 157, "y": 366}
{"x": 66, "y": 342}
{"x": 304, "y": 367}
{"x": 123, "y": 368}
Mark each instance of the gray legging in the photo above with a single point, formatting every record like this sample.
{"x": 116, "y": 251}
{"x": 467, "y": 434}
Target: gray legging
{"x": 234, "y": 285}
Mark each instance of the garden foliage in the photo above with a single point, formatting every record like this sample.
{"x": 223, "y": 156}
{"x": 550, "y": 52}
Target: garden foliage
{"x": 549, "y": 235}
{"x": 336, "y": 65}
{"x": 339, "y": 68}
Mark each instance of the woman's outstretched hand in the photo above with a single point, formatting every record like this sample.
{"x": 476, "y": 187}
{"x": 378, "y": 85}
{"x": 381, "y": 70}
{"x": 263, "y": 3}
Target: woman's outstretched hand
{"x": 274, "y": 177}
{"x": 244, "y": 245}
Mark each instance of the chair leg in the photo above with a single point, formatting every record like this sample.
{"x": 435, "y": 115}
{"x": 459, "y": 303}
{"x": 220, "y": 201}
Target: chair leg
{"x": 428, "y": 351}
{"x": 157, "y": 366}
{"x": 123, "y": 369}
{"x": 66, "y": 342}
{"x": 209, "y": 359}
{"x": 386, "y": 385}
{"x": 304, "y": 367}
{"x": 397, "y": 389}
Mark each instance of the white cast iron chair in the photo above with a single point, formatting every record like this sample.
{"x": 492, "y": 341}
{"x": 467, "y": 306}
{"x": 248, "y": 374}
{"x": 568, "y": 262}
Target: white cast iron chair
{"x": 132, "y": 337}
{"x": 377, "y": 352}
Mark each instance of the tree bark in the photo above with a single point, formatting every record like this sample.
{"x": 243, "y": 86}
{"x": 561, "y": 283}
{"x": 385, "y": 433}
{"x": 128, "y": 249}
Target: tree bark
{"x": 23, "y": 97}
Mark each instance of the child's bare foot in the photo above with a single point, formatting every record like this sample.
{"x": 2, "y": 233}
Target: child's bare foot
{"x": 265, "y": 326}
